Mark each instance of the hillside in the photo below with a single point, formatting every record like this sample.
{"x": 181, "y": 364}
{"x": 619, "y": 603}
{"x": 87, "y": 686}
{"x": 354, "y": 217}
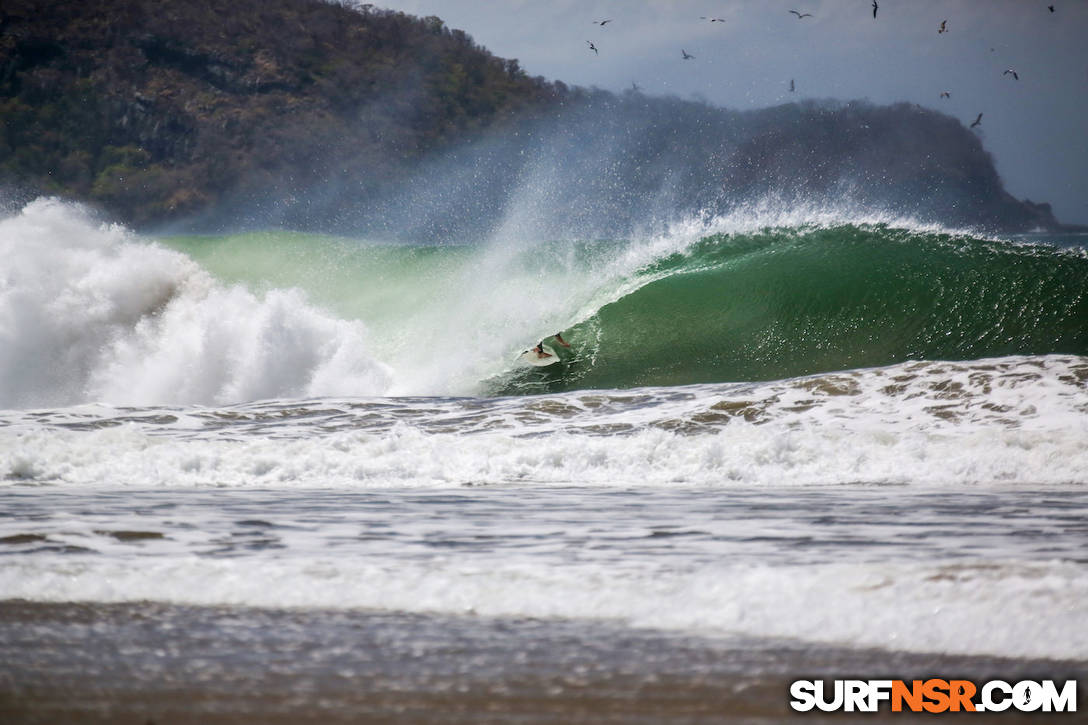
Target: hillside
{"x": 157, "y": 109}
{"x": 303, "y": 113}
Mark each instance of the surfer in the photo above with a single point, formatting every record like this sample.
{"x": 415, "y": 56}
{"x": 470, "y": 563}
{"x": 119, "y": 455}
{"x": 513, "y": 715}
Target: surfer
{"x": 539, "y": 350}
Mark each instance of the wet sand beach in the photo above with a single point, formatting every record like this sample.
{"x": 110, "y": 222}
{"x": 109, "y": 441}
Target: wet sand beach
{"x": 153, "y": 663}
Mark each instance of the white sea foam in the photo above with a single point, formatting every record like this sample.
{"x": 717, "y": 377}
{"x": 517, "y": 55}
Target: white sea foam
{"x": 743, "y": 455}
{"x": 1019, "y": 609}
{"x": 89, "y": 312}
{"x": 1003, "y": 421}
{"x": 928, "y": 570}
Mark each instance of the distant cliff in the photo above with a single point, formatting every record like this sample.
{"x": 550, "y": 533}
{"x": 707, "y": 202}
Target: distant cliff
{"x": 313, "y": 114}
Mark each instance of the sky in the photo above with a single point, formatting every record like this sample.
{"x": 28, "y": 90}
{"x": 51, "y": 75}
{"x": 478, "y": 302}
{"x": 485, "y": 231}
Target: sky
{"x": 1035, "y": 127}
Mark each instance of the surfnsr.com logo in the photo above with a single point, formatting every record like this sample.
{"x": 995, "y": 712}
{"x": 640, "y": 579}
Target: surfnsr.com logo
{"x": 933, "y": 695}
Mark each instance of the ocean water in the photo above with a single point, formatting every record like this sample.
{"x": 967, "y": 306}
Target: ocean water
{"x": 802, "y": 426}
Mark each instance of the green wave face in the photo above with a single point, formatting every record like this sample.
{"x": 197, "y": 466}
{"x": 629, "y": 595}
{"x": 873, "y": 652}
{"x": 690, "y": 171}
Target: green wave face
{"x": 789, "y": 302}
{"x": 766, "y": 305}
{"x": 383, "y": 285}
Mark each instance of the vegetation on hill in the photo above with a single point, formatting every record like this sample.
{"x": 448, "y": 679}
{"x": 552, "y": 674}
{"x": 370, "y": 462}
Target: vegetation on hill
{"x": 156, "y": 109}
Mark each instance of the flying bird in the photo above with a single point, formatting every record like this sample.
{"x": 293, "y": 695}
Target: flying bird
{"x": 943, "y": 28}
{"x": 977, "y": 121}
{"x": 713, "y": 20}
{"x": 945, "y": 94}
{"x": 686, "y": 55}
{"x": 593, "y": 47}
{"x": 1050, "y": 8}
{"x": 1014, "y": 74}
{"x": 875, "y": 8}
{"x": 635, "y": 87}
{"x": 602, "y": 22}
{"x": 801, "y": 15}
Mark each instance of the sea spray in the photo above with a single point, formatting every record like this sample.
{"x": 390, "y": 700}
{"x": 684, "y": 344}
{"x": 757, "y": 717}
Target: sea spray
{"x": 90, "y": 312}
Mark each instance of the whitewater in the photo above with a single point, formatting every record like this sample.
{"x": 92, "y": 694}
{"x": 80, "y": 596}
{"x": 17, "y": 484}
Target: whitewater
{"x": 806, "y": 425}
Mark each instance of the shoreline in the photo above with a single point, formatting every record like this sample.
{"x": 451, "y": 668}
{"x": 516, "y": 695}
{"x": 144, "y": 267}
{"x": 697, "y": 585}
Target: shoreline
{"x": 149, "y": 662}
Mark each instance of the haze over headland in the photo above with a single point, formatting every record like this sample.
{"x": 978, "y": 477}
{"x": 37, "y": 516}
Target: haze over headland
{"x": 1034, "y": 127}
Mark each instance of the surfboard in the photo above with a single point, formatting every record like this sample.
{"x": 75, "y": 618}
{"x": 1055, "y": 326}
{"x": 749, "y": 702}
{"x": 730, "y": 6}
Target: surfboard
{"x": 530, "y": 358}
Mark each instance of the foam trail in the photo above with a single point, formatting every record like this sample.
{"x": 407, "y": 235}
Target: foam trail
{"x": 992, "y": 422}
{"x": 922, "y": 570}
{"x": 88, "y": 312}
{"x": 864, "y": 605}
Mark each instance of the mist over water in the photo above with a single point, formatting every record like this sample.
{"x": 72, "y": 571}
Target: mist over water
{"x": 628, "y": 166}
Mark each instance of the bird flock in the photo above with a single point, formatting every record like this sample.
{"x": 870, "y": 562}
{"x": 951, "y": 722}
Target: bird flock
{"x": 942, "y": 28}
